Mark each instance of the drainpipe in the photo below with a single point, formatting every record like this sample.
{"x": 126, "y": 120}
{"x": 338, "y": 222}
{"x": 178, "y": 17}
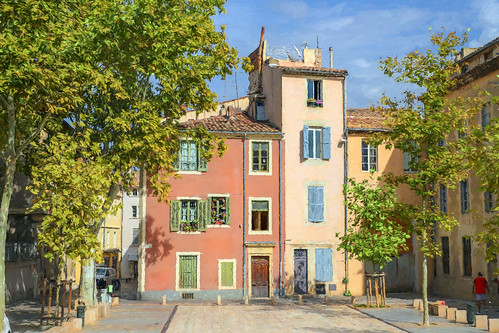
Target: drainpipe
{"x": 345, "y": 164}
{"x": 280, "y": 220}
{"x": 142, "y": 241}
{"x": 244, "y": 217}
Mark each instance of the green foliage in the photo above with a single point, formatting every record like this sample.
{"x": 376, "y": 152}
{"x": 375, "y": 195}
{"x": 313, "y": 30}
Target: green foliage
{"x": 70, "y": 181}
{"x": 378, "y": 230}
{"x": 419, "y": 121}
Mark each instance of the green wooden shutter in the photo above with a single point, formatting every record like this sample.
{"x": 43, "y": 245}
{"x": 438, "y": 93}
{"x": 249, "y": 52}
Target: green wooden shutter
{"x": 188, "y": 267}
{"x": 227, "y": 211}
{"x": 203, "y": 165}
{"x": 176, "y": 163}
{"x": 227, "y": 273}
{"x": 202, "y": 212}
{"x": 175, "y": 207}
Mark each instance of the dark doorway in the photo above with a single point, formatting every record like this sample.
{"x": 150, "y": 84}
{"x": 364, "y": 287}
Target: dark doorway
{"x": 260, "y": 276}
{"x": 301, "y": 272}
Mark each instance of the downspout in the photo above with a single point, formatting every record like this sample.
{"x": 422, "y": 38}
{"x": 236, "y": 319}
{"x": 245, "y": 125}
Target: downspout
{"x": 244, "y": 218}
{"x": 345, "y": 180}
{"x": 142, "y": 241}
{"x": 280, "y": 220}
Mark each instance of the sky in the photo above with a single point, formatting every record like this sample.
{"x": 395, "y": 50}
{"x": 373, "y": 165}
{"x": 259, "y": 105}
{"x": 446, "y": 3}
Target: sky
{"x": 360, "y": 32}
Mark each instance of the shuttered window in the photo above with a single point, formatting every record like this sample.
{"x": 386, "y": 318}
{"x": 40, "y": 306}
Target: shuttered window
{"x": 188, "y": 215}
{"x": 465, "y": 196}
{"x": 188, "y": 269}
{"x": 314, "y": 93}
{"x": 323, "y": 265}
{"x": 227, "y": 274}
{"x": 315, "y": 204}
{"x": 445, "y": 255}
{"x": 219, "y": 210}
{"x": 316, "y": 142}
{"x": 443, "y": 199}
{"x": 467, "y": 256}
{"x": 189, "y": 157}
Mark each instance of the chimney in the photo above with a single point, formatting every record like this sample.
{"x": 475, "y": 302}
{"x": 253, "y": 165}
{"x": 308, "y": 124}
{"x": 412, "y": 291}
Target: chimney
{"x": 230, "y": 112}
{"x": 330, "y": 57}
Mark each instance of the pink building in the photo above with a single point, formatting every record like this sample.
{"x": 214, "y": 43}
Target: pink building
{"x": 222, "y": 232}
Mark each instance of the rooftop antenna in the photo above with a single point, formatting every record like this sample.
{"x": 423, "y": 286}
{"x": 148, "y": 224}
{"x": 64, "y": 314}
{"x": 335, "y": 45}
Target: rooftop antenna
{"x": 317, "y": 41}
{"x": 298, "y": 51}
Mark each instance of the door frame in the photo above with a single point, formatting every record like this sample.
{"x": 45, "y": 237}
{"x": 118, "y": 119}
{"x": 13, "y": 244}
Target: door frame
{"x": 177, "y": 270}
{"x": 261, "y": 252}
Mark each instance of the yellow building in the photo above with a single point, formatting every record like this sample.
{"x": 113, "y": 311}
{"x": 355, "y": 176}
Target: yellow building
{"x": 462, "y": 258}
{"x": 110, "y": 237}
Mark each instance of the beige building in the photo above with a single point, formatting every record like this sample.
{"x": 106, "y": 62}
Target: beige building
{"x": 307, "y": 102}
{"x": 110, "y": 237}
{"x": 463, "y": 258}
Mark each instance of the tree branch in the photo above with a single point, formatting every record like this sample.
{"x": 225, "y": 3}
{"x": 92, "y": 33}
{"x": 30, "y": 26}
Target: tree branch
{"x": 34, "y": 134}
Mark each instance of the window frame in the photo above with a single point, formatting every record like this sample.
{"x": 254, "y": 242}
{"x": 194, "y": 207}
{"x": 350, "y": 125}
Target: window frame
{"x": 234, "y": 274}
{"x": 324, "y": 143}
{"x": 134, "y": 212}
{"x": 209, "y": 222}
{"x": 250, "y": 218}
{"x": 177, "y": 271}
{"x": 201, "y": 164}
{"x": 369, "y": 148}
{"x": 488, "y": 198}
{"x": 176, "y": 215}
{"x": 315, "y": 93}
{"x": 269, "y": 158}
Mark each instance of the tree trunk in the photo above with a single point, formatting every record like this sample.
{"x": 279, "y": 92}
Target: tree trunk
{"x": 424, "y": 287}
{"x": 10, "y": 169}
{"x": 87, "y": 283}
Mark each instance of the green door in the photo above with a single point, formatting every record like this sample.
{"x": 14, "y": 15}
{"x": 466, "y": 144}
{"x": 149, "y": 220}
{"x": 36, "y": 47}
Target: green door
{"x": 188, "y": 266}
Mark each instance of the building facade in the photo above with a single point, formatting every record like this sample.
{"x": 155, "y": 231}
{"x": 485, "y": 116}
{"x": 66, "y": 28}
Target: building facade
{"x": 221, "y": 232}
{"x": 130, "y": 232}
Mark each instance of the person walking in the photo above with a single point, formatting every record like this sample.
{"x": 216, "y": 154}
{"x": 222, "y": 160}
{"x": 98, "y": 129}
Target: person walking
{"x": 480, "y": 290}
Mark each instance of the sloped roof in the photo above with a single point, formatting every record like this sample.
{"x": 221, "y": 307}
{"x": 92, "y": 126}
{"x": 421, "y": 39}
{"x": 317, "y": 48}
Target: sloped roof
{"x": 365, "y": 119}
{"x": 237, "y": 123}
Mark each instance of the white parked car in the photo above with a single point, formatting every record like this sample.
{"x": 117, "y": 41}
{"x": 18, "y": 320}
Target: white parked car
{"x": 105, "y": 276}
{"x": 6, "y": 324}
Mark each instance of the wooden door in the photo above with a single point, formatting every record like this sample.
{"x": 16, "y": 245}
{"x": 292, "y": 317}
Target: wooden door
{"x": 301, "y": 272}
{"x": 260, "y": 276}
{"x": 188, "y": 266}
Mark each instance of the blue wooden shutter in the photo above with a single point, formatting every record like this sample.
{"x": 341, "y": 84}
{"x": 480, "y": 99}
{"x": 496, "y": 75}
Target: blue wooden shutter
{"x": 323, "y": 265}
{"x": 305, "y": 141}
{"x": 315, "y": 204}
{"x": 310, "y": 89}
{"x": 326, "y": 143}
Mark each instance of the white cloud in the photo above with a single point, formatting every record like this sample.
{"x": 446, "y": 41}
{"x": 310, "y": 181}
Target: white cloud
{"x": 487, "y": 13}
{"x": 294, "y": 9}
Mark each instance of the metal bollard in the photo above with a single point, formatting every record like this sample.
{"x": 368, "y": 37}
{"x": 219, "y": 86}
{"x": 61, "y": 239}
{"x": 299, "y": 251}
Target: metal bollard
{"x": 164, "y": 300}
{"x": 246, "y": 300}
{"x": 300, "y": 299}
{"x": 219, "y": 300}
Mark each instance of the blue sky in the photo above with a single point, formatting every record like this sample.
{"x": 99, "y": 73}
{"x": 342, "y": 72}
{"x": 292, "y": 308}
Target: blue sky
{"x": 360, "y": 32}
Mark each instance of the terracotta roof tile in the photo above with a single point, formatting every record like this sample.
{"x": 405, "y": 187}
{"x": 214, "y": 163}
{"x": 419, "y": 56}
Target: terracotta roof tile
{"x": 365, "y": 119}
{"x": 240, "y": 122}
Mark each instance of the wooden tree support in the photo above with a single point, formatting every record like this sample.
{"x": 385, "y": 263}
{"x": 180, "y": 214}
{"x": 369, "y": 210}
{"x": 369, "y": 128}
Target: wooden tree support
{"x": 48, "y": 298}
{"x": 375, "y": 286}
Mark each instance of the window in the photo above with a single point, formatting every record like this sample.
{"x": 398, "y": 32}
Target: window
{"x": 260, "y": 158}
{"x": 409, "y": 161}
{"x": 369, "y": 157}
{"x": 219, "y": 210}
{"x": 485, "y": 116}
{"x": 135, "y": 192}
{"x": 445, "y": 255}
{"x": 189, "y": 158}
{"x": 188, "y": 215}
{"x": 323, "y": 265}
{"x": 467, "y": 256}
{"x": 317, "y": 143}
{"x": 135, "y": 233}
{"x": 465, "y": 196}
{"x": 443, "y": 199}
{"x": 489, "y": 201}
{"x": 226, "y": 273}
{"x": 487, "y": 55}
{"x": 315, "y": 204}
{"x": 314, "y": 93}
{"x": 463, "y": 131}
{"x": 135, "y": 211}
{"x": 260, "y": 109}
{"x": 260, "y": 220}
{"x": 441, "y": 143}
{"x": 188, "y": 270}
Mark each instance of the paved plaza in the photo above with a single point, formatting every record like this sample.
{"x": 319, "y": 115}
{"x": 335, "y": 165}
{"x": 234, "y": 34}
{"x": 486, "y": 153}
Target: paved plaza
{"x": 133, "y": 316}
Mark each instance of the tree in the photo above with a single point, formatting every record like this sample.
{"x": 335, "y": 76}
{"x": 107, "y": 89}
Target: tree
{"x": 424, "y": 124}
{"x": 377, "y": 231}
{"x": 123, "y": 71}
